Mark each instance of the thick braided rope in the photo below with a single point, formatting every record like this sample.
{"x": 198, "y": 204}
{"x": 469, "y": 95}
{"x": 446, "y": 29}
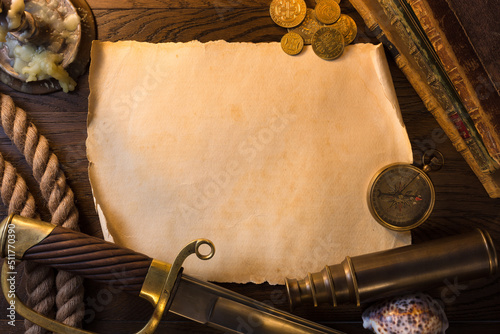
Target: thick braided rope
{"x": 40, "y": 286}
{"x": 57, "y": 194}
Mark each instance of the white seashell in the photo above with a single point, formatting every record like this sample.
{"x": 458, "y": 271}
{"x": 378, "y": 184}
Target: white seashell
{"x": 411, "y": 314}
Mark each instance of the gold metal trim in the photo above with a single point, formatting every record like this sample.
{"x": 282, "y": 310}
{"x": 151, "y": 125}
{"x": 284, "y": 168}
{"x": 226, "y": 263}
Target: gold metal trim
{"x": 27, "y": 233}
{"x": 156, "y": 277}
{"x": 354, "y": 280}
{"x": 313, "y": 289}
{"x": 332, "y": 285}
{"x": 3, "y": 234}
{"x": 490, "y": 248}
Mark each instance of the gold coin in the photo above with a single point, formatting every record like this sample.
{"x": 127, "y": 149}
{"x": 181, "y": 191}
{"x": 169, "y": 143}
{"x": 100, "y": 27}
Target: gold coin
{"x": 292, "y": 43}
{"x": 308, "y": 27}
{"x": 328, "y": 43}
{"x": 288, "y": 13}
{"x": 352, "y": 31}
{"x": 341, "y": 25}
{"x": 347, "y": 28}
{"x": 327, "y": 11}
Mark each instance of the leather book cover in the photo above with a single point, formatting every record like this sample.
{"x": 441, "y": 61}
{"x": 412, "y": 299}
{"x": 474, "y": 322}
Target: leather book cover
{"x": 480, "y": 20}
{"x": 464, "y": 68}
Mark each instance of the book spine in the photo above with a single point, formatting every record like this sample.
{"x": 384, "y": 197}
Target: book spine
{"x": 438, "y": 81}
{"x": 395, "y": 37}
{"x": 464, "y": 88}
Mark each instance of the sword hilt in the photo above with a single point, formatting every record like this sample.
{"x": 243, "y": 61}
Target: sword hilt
{"x": 78, "y": 253}
{"x": 93, "y": 258}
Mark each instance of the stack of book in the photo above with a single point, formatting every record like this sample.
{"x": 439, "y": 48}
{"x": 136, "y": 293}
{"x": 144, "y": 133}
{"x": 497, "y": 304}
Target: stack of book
{"x": 448, "y": 50}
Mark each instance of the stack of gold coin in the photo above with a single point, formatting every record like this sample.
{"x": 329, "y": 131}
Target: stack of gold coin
{"x": 308, "y": 26}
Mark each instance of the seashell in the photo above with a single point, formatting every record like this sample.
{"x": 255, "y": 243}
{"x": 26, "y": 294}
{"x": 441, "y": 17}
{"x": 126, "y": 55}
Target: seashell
{"x": 410, "y": 314}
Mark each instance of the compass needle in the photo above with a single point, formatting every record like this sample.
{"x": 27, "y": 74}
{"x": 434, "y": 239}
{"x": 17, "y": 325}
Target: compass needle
{"x": 414, "y": 178}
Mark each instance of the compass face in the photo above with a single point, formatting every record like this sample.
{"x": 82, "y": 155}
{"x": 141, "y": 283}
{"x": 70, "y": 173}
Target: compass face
{"x": 401, "y": 197}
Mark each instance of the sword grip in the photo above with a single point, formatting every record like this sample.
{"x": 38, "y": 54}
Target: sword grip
{"x": 75, "y": 252}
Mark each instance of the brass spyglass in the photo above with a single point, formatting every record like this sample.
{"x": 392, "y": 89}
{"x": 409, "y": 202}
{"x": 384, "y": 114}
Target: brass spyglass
{"x": 400, "y": 270}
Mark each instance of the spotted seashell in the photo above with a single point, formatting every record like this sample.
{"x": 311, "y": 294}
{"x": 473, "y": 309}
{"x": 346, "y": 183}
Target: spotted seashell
{"x": 411, "y": 314}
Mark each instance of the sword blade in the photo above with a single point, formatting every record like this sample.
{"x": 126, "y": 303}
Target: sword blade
{"x": 229, "y": 311}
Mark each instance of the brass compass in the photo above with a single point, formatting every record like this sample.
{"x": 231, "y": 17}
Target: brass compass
{"x": 402, "y": 196}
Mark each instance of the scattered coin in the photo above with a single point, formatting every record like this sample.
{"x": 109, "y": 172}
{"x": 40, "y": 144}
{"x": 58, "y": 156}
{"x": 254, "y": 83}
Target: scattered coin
{"x": 288, "y": 13}
{"x": 327, "y": 11}
{"x": 292, "y": 43}
{"x": 346, "y": 25}
{"x": 308, "y": 27}
{"x": 328, "y": 43}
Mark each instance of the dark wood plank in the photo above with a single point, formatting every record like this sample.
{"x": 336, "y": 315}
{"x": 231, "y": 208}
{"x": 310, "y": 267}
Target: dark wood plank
{"x": 176, "y": 4}
{"x": 153, "y": 4}
{"x": 182, "y": 25}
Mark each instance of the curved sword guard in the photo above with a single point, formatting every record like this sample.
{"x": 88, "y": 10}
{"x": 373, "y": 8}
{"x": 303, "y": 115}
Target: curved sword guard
{"x": 162, "y": 297}
{"x": 157, "y": 288}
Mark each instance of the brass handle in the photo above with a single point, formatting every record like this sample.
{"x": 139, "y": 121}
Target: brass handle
{"x": 75, "y": 252}
{"x": 93, "y": 258}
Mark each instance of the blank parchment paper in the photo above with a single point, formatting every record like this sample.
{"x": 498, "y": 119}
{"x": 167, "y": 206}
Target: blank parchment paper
{"x": 267, "y": 155}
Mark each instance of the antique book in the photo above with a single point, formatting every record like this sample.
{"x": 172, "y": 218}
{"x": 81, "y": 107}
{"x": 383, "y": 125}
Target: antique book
{"x": 395, "y": 25}
{"x": 467, "y": 71}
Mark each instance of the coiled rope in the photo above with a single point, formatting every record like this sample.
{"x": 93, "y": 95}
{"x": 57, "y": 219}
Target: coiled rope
{"x": 59, "y": 197}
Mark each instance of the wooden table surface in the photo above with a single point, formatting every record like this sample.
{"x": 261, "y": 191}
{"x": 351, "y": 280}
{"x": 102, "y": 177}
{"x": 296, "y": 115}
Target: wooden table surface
{"x": 461, "y": 204}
